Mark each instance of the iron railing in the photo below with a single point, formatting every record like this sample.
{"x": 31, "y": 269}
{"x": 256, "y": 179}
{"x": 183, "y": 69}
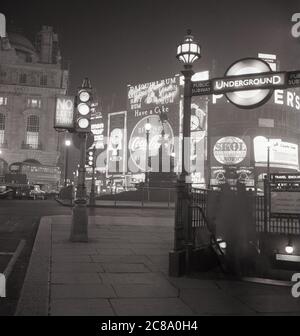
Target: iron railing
{"x": 275, "y": 225}
{"x": 200, "y": 229}
{"x": 262, "y": 220}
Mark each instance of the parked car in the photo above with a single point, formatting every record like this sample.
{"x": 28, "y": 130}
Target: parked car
{"x": 6, "y": 192}
{"x": 37, "y": 193}
{"x": 22, "y": 192}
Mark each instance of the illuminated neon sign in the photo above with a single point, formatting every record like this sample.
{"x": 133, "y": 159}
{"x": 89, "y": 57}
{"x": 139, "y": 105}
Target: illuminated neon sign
{"x": 230, "y": 150}
{"x": 64, "y": 112}
{"x": 248, "y": 83}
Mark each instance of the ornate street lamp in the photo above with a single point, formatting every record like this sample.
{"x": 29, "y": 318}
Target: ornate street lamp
{"x": 187, "y": 52}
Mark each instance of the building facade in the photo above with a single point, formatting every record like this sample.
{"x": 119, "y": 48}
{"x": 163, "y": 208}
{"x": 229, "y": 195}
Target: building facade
{"x": 247, "y": 144}
{"x": 31, "y": 76}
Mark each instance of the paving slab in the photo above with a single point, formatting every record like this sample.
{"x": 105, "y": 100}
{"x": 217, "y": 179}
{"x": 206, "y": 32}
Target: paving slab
{"x": 75, "y": 267}
{"x": 71, "y": 258}
{"x": 81, "y": 307}
{"x": 125, "y": 268}
{"x": 207, "y": 301}
{"x": 75, "y": 278}
{"x": 146, "y": 291}
{"x": 272, "y": 303}
{"x": 132, "y": 259}
{"x": 113, "y": 251}
{"x": 190, "y": 283}
{"x": 151, "y": 307}
{"x": 82, "y": 291}
{"x": 133, "y": 278}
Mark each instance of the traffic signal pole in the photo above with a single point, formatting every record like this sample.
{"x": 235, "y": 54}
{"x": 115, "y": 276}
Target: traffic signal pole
{"x": 79, "y": 227}
{"x": 82, "y": 126}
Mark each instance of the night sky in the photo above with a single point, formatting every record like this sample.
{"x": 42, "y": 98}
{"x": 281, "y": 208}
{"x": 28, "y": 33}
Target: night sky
{"x": 117, "y": 42}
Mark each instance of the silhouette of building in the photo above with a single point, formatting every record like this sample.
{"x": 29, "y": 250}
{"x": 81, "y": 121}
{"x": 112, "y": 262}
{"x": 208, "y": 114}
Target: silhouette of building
{"x": 31, "y": 76}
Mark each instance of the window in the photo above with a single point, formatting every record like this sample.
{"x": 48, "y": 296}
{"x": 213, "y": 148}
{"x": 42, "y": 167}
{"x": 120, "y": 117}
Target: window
{"x": 44, "y": 80}
{"x": 28, "y": 58}
{"x": 23, "y": 78}
{"x": 2, "y": 128}
{"x": 34, "y": 103}
{"x": 32, "y": 135}
{"x": 3, "y": 100}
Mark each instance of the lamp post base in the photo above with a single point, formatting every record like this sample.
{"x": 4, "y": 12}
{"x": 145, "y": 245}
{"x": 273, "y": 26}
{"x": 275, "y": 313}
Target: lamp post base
{"x": 177, "y": 263}
{"x": 79, "y": 226}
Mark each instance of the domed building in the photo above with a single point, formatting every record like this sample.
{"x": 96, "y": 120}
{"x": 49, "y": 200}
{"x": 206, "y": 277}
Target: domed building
{"x": 31, "y": 77}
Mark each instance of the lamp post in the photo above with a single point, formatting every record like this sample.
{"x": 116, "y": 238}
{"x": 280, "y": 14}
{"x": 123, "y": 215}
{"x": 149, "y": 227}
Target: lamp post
{"x": 148, "y": 129}
{"x": 187, "y": 52}
{"x": 67, "y": 145}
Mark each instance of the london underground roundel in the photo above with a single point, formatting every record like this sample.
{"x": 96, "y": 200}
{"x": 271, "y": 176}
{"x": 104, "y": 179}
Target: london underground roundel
{"x": 249, "y": 98}
{"x": 230, "y": 150}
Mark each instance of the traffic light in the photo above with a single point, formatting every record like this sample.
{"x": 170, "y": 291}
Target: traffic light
{"x": 90, "y": 157}
{"x": 82, "y": 122}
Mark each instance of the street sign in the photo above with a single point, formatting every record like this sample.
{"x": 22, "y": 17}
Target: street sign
{"x": 269, "y": 80}
{"x": 293, "y": 79}
{"x": 248, "y": 83}
{"x": 285, "y": 195}
{"x": 202, "y": 88}
{"x": 285, "y": 177}
{"x": 285, "y": 203}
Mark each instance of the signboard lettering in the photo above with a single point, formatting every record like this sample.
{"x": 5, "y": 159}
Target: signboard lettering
{"x": 249, "y": 82}
{"x": 285, "y": 202}
{"x": 64, "y": 112}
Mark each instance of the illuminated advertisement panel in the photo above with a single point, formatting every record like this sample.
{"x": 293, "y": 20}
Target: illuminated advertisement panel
{"x": 64, "y": 112}
{"x": 157, "y": 103}
{"x": 231, "y": 160}
{"x": 281, "y": 154}
{"x": 97, "y": 128}
{"x": 230, "y": 151}
{"x": 198, "y": 138}
{"x": 116, "y": 143}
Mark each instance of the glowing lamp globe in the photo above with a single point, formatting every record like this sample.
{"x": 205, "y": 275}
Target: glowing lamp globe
{"x": 188, "y": 51}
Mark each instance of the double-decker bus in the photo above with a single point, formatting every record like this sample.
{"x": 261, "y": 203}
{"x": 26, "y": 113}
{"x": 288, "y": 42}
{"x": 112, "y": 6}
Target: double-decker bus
{"x": 48, "y": 177}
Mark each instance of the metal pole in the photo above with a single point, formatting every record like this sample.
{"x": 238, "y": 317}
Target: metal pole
{"x": 147, "y": 161}
{"x": 268, "y": 160}
{"x": 178, "y": 255}
{"x": 79, "y": 227}
{"x": 66, "y": 165}
{"x": 92, "y": 194}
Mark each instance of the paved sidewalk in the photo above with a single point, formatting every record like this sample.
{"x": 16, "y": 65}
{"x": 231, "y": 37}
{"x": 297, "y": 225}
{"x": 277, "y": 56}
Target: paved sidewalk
{"x": 123, "y": 270}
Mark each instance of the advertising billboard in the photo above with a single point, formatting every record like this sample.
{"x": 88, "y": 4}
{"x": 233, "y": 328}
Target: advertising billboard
{"x": 230, "y": 151}
{"x": 64, "y": 112}
{"x": 116, "y": 143}
{"x": 231, "y": 160}
{"x": 282, "y": 154}
{"x": 158, "y": 103}
{"x": 97, "y": 128}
